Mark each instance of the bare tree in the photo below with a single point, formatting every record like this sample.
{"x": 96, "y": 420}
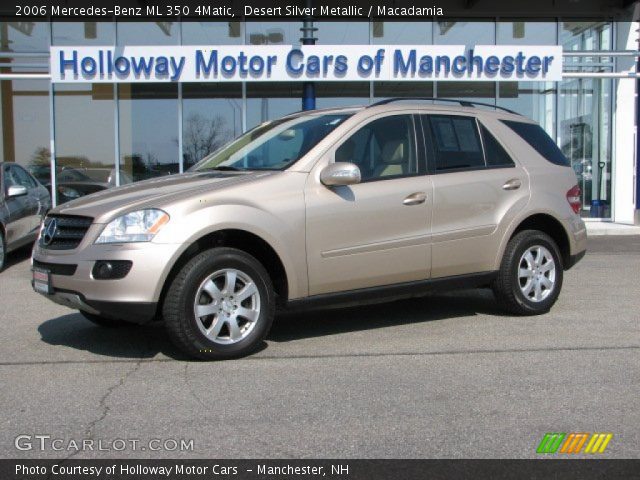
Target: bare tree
{"x": 203, "y": 135}
{"x": 42, "y": 156}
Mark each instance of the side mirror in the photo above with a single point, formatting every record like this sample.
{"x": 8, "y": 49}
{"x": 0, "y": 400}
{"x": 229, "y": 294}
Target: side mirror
{"x": 16, "y": 191}
{"x": 340, "y": 173}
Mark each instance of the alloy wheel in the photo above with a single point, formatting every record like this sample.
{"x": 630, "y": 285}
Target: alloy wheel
{"x": 536, "y": 273}
{"x": 227, "y": 306}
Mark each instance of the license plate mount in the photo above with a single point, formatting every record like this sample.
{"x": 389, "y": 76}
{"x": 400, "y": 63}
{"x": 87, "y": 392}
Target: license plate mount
{"x": 42, "y": 281}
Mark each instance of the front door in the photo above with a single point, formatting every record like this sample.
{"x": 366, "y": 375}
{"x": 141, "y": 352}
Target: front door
{"x": 32, "y": 199}
{"x": 19, "y": 209}
{"x": 376, "y": 232}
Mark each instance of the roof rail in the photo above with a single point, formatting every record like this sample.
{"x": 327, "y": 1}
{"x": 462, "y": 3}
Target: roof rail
{"x": 464, "y": 103}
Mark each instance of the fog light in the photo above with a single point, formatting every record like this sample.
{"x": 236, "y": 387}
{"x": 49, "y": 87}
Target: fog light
{"x": 111, "y": 269}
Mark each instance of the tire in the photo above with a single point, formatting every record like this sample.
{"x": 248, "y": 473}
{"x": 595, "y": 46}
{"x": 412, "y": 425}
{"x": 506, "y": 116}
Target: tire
{"x": 3, "y": 250}
{"x": 104, "y": 321}
{"x": 515, "y": 287}
{"x": 203, "y": 285}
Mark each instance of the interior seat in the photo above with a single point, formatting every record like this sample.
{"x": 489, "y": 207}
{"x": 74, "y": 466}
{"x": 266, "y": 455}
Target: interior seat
{"x": 394, "y": 159}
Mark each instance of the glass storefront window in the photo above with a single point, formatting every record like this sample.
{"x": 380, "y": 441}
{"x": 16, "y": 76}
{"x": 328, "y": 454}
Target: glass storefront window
{"x": 83, "y": 33}
{"x": 211, "y": 117}
{"x": 484, "y": 92}
{"x": 341, "y": 94}
{"x": 273, "y": 33}
{"x": 338, "y": 33}
{"x": 85, "y": 139}
{"x": 148, "y": 119}
{"x": 521, "y": 32}
{"x": 24, "y": 125}
{"x": 576, "y": 112}
{"x": 401, "y": 33}
{"x": 148, "y": 33}
{"x": 585, "y": 115}
{"x": 468, "y": 33}
{"x": 460, "y": 32}
{"x": 585, "y": 35}
{"x": 585, "y": 138}
{"x": 24, "y": 36}
{"x": 267, "y": 101}
{"x": 211, "y": 33}
{"x": 534, "y": 100}
{"x": 402, "y": 89}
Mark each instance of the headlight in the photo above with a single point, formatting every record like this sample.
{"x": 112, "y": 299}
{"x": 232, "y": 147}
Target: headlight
{"x": 140, "y": 226}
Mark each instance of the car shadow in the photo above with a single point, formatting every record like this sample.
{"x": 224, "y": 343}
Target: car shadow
{"x": 147, "y": 341}
{"x": 129, "y": 341}
{"x": 432, "y": 307}
{"x": 18, "y": 256}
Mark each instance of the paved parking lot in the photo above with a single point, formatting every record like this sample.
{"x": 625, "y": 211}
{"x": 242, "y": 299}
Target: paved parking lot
{"x": 442, "y": 376}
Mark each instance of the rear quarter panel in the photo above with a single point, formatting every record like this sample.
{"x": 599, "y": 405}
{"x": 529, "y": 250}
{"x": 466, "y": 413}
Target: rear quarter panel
{"x": 549, "y": 184}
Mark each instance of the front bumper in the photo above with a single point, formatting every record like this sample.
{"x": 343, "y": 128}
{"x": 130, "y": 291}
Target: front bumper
{"x": 134, "y": 297}
{"x": 131, "y": 312}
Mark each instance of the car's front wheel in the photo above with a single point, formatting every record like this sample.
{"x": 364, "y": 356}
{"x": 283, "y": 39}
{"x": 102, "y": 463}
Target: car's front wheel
{"x": 530, "y": 276}
{"x": 220, "y": 305}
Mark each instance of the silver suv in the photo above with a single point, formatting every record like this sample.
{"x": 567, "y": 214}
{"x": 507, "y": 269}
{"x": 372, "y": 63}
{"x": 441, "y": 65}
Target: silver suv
{"x": 324, "y": 207}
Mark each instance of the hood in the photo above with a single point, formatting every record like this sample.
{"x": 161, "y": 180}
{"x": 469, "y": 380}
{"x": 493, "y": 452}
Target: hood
{"x": 155, "y": 193}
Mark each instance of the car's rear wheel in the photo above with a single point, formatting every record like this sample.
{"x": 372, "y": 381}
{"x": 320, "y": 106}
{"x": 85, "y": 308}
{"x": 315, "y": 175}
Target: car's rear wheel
{"x": 3, "y": 250}
{"x": 220, "y": 305}
{"x": 103, "y": 321}
{"x": 530, "y": 276}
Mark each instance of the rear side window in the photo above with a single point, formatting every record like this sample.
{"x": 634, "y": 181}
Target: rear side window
{"x": 456, "y": 142}
{"x": 495, "y": 154}
{"x": 535, "y": 136}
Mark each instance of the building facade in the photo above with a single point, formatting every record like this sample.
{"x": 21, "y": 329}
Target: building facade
{"x": 83, "y": 137}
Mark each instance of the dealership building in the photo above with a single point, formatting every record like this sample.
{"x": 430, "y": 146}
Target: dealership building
{"x": 76, "y": 116}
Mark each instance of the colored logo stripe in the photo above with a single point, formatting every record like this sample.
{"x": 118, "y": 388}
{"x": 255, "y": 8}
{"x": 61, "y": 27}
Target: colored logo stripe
{"x": 573, "y": 442}
{"x": 550, "y": 442}
{"x": 598, "y": 442}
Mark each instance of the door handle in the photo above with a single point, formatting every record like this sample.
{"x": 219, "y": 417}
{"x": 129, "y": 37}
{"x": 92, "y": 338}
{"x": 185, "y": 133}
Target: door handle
{"x": 512, "y": 184}
{"x": 415, "y": 199}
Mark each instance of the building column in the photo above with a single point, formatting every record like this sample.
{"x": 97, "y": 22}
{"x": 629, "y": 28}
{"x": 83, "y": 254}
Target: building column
{"x": 624, "y": 178}
{"x": 308, "y": 38}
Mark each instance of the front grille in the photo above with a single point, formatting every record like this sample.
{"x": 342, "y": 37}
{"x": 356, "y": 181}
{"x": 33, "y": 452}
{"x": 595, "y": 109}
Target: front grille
{"x": 56, "y": 268}
{"x": 67, "y": 232}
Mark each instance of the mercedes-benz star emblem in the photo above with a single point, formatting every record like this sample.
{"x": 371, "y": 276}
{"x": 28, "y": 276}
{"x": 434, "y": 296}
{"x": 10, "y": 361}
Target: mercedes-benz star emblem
{"x": 49, "y": 232}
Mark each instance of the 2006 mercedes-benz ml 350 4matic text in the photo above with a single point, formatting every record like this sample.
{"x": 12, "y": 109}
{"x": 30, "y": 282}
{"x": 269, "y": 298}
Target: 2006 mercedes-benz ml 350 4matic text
{"x": 339, "y": 205}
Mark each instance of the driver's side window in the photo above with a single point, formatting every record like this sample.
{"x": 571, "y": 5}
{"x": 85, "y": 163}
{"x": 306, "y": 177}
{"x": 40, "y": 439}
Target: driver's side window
{"x": 382, "y": 149}
{"x": 22, "y": 177}
{"x": 9, "y": 178}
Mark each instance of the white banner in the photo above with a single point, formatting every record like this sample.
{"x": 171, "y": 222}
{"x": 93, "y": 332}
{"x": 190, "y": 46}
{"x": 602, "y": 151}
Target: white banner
{"x": 320, "y": 63}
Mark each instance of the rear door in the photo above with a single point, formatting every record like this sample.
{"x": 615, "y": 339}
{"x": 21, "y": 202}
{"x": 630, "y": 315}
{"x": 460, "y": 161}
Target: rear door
{"x": 477, "y": 187}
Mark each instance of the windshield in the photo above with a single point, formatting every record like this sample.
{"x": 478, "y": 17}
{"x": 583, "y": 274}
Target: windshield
{"x": 273, "y": 145}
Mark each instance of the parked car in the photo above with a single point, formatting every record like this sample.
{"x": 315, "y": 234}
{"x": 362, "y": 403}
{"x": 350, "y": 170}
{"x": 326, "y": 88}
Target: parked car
{"x": 72, "y": 183}
{"x": 75, "y": 182}
{"x": 23, "y": 203}
{"x": 325, "y": 207}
